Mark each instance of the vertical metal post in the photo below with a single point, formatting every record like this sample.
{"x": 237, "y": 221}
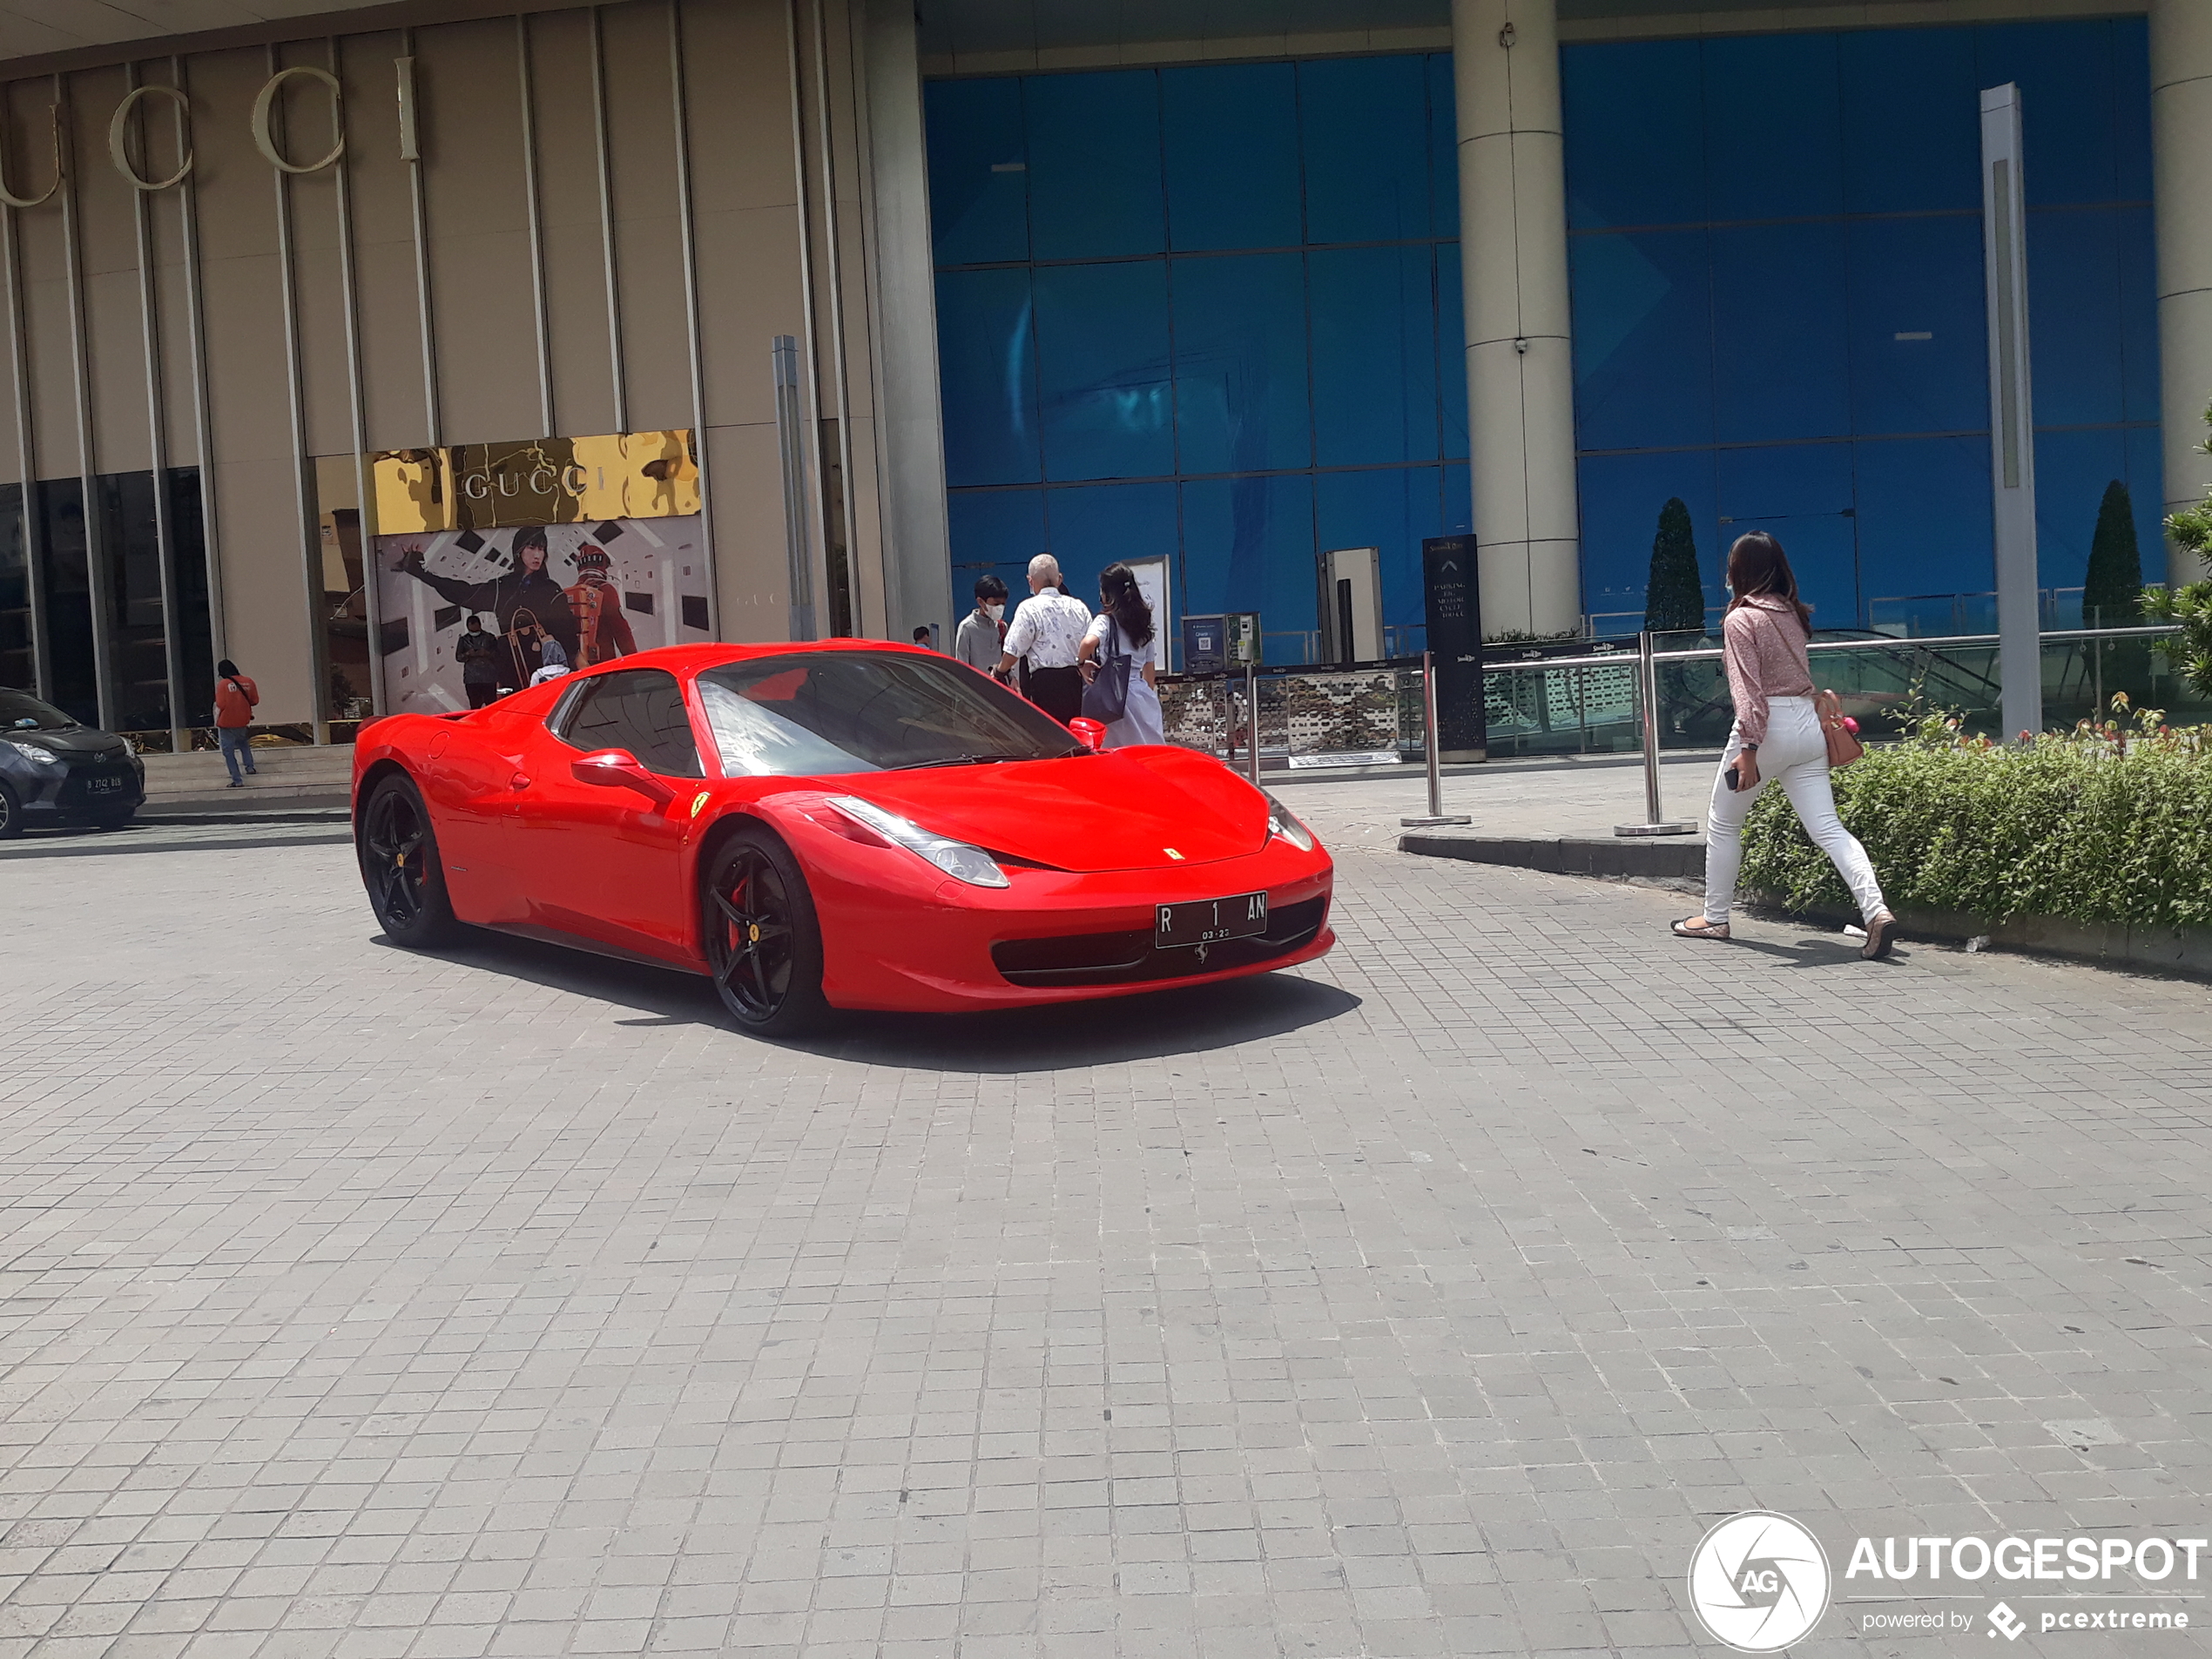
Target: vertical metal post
{"x": 679, "y": 97}
{"x": 357, "y": 408}
{"x": 528, "y": 91}
{"x": 419, "y": 213}
{"x": 203, "y": 418}
{"x": 97, "y": 575}
{"x": 791, "y": 438}
{"x": 305, "y": 495}
{"x": 616, "y": 374}
{"x": 1251, "y": 721}
{"x": 1648, "y": 708}
{"x": 1648, "y": 704}
{"x": 158, "y": 443}
{"x": 34, "y": 543}
{"x": 1432, "y": 749}
{"x": 2012, "y": 413}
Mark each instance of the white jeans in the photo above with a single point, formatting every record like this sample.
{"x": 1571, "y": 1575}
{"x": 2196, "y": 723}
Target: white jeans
{"x": 1795, "y": 754}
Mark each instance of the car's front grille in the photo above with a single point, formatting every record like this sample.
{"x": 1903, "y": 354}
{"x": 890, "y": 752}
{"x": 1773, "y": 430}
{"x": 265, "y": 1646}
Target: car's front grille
{"x": 1075, "y": 960}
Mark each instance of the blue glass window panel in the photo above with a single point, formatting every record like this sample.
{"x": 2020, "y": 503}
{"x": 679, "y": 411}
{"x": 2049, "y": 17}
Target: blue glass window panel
{"x": 1622, "y": 498}
{"x": 1375, "y": 355}
{"x": 1923, "y": 518}
{"x": 1458, "y": 502}
{"x": 2131, "y": 107}
{"x": 1093, "y": 527}
{"x": 2138, "y": 313}
{"x": 1248, "y": 545}
{"x": 1780, "y": 359}
{"x": 1443, "y": 148}
{"x": 1911, "y": 277}
{"x": 2074, "y": 317}
{"x": 1799, "y": 493}
{"x": 987, "y": 373}
{"x": 1451, "y": 351}
{"x": 1106, "y": 400}
{"x": 978, "y": 191}
{"x": 2072, "y": 471}
{"x": 1231, "y": 137}
{"x": 1643, "y": 339}
{"x": 2065, "y": 74}
{"x": 1912, "y": 121}
{"x": 2146, "y": 494}
{"x": 1240, "y": 395}
{"x": 1364, "y": 123}
{"x": 996, "y": 532}
{"x": 1391, "y": 509}
{"x": 1774, "y": 143}
{"x": 1635, "y": 134}
{"x": 1094, "y": 154}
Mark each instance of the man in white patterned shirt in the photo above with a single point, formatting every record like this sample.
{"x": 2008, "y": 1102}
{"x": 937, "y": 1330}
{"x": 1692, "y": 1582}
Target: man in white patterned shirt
{"x": 1048, "y": 628}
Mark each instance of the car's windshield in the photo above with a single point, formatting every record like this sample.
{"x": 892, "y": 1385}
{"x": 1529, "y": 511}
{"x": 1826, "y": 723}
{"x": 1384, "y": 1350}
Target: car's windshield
{"x": 20, "y": 711}
{"x": 817, "y": 712}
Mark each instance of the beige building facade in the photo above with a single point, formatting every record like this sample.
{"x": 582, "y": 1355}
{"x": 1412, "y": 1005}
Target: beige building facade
{"x": 245, "y": 271}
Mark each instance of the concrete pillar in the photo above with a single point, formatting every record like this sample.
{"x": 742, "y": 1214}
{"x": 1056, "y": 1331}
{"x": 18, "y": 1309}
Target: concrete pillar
{"x": 1520, "y": 367}
{"x": 2181, "y": 114}
{"x": 917, "y": 559}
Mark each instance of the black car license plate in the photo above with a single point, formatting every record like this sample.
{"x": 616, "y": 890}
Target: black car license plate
{"x": 106, "y": 785}
{"x": 1205, "y": 921}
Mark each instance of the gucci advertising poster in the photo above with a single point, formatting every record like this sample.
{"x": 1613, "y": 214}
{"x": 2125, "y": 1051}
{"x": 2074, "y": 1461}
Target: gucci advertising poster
{"x": 492, "y": 573}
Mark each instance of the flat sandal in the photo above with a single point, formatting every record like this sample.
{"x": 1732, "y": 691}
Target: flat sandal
{"x": 1682, "y": 929}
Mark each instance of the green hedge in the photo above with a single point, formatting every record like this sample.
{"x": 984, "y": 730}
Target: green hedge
{"x": 2110, "y": 824}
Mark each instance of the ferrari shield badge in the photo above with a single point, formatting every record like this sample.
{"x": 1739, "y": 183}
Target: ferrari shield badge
{"x": 698, "y": 803}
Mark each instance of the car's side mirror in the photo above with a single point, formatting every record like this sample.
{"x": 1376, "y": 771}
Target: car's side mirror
{"x": 619, "y": 769}
{"x": 1089, "y": 732}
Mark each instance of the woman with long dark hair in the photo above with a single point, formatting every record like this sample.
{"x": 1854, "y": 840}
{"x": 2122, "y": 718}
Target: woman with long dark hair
{"x": 1123, "y": 640}
{"x": 1778, "y": 735}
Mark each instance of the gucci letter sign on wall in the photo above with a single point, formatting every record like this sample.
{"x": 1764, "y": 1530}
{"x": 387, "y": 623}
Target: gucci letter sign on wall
{"x": 264, "y": 125}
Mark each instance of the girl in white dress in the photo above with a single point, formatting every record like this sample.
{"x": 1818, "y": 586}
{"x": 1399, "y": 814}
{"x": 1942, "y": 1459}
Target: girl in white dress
{"x": 1123, "y": 627}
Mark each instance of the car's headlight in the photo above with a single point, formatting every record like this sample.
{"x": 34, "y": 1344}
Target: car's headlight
{"x": 38, "y": 754}
{"x": 956, "y": 859}
{"x": 1281, "y": 822}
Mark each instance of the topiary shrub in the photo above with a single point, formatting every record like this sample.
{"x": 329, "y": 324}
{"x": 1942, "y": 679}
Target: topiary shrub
{"x": 1673, "y": 595}
{"x": 2108, "y": 823}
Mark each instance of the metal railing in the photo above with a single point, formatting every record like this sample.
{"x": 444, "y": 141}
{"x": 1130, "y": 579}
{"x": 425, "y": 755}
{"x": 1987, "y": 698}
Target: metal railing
{"x": 1570, "y": 698}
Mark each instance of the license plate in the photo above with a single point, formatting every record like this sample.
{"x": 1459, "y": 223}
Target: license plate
{"x": 1204, "y": 920}
{"x": 102, "y": 785}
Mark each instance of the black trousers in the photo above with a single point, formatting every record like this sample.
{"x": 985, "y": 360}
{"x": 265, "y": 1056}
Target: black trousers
{"x": 481, "y": 696}
{"x": 1058, "y": 691}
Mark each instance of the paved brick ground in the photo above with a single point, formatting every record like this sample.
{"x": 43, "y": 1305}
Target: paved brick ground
{"x": 1431, "y": 1301}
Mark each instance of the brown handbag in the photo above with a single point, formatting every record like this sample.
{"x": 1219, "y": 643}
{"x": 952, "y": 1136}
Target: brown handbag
{"x": 1844, "y": 746}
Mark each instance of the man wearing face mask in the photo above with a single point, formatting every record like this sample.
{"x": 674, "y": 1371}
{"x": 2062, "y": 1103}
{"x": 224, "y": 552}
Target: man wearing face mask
{"x": 981, "y": 630}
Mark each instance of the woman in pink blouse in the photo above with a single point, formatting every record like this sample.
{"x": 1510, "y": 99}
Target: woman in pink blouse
{"x": 1777, "y": 734}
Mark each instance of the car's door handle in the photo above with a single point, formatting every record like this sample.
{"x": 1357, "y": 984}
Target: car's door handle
{"x": 519, "y": 781}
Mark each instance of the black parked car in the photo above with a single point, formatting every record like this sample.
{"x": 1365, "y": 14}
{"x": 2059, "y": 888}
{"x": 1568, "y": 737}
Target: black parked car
{"x": 54, "y": 770}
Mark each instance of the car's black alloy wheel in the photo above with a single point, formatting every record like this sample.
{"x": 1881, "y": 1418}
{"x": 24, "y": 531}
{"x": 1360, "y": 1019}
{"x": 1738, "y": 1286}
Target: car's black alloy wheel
{"x": 763, "y": 945}
{"x": 399, "y": 867}
{"x": 11, "y": 814}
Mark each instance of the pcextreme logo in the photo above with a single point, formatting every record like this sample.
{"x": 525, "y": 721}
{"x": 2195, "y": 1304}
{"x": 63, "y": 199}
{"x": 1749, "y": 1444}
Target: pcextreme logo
{"x": 1758, "y": 1582}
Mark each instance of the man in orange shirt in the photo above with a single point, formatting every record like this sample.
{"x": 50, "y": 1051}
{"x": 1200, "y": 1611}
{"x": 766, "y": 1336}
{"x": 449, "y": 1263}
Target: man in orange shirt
{"x": 235, "y": 697}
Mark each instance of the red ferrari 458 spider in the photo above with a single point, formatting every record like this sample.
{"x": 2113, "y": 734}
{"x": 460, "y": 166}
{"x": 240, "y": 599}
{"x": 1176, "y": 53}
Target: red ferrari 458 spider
{"x": 846, "y": 824}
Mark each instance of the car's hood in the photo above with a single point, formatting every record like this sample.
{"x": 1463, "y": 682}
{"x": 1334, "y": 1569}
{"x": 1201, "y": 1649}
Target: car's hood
{"x": 1132, "y": 809}
{"x": 75, "y": 742}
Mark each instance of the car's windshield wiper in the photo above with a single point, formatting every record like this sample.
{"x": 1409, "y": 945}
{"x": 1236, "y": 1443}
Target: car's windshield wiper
{"x": 978, "y": 760}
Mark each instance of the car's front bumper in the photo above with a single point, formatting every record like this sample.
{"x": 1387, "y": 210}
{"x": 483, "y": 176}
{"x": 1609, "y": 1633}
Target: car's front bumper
{"x": 897, "y": 936}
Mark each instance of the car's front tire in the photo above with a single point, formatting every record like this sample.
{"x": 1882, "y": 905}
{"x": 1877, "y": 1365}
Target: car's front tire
{"x": 401, "y": 867}
{"x": 764, "y": 946}
{"x": 11, "y": 814}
